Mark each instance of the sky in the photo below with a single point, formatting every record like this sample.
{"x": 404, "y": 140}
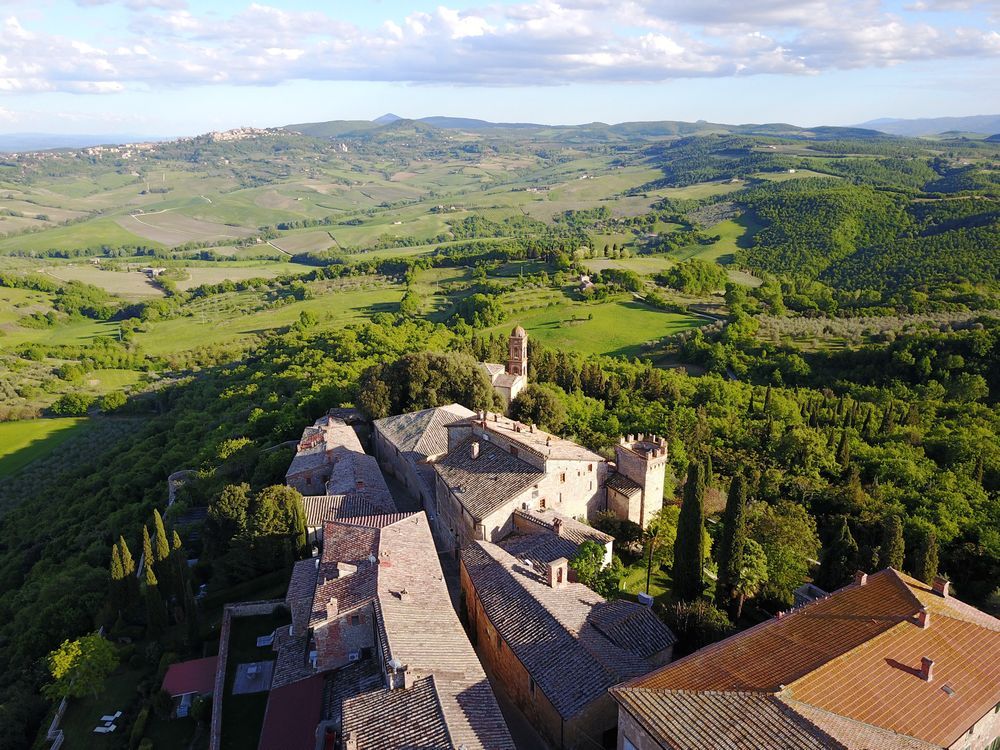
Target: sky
{"x": 180, "y": 67}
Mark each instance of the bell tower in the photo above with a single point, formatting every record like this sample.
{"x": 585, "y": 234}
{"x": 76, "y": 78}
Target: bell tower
{"x": 517, "y": 353}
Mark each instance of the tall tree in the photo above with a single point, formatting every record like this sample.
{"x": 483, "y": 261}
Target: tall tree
{"x": 788, "y": 535}
{"x": 658, "y": 539}
{"x": 892, "y": 549}
{"x": 119, "y": 594}
{"x": 844, "y": 450}
{"x": 733, "y": 542}
{"x": 689, "y": 547}
{"x": 162, "y": 548}
{"x": 147, "y": 548}
{"x": 926, "y": 557}
{"x": 751, "y": 576}
{"x": 128, "y": 572}
{"x": 156, "y": 611}
{"x": 839, "y": 559}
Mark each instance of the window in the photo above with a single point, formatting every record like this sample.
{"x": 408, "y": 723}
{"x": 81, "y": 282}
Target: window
{"x": 513, "y": 451}
{"x": 590, "y": 467}
{"x": 541, "y": 503}
{"x": 355, "y": 620}
{"x": 562, "y": 477}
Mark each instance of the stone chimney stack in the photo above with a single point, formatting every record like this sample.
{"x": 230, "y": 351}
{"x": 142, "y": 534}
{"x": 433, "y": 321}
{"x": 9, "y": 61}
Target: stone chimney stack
{"x": 926, "y": 669}
{"x": 332, "y": 608}
{"x": 941, "y": 586}
{"x": 557, "y": 526}
{"x": 408, "y": 678}
{"x": 924, "y": 618}
{"x": 474, "y": 449}
{"x": 860, "y": 578}
{"x": 558, "y": 573}
{"x": 350, "y": 741}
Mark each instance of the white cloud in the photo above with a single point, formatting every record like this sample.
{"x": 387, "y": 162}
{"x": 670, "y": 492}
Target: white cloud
{"x": 538, "y": 42}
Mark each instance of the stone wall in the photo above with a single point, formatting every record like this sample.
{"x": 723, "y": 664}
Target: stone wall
{"x": 232, "y": 611}
{"x": 982, "y": 734}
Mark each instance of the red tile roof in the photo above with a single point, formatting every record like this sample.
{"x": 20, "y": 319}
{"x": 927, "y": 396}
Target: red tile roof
{"x": 195, "y": 676}
{"x": 292, "y": 713}
{"x": 857, "y": 655}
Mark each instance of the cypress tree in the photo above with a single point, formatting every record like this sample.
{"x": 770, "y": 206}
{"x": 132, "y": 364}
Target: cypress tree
{"x": 927, "y": 557}
{"x": 689, "y": 547}
{"x": 709, "y": 474}
{"x": 839, "y": 558}
{"x": 128, "y": 572}
{"x": 162, "y": 550}
{"x": 156, "y": 611}
{"x": 147, "y": 548}
{"x": 119, "y": 596}
{"x": 128, "y": 564}
{"x": 866, "y": 427}
{"x": 844, "y": 450}
{"x": 733, "y": 542}
{"x": 892, "y": 548}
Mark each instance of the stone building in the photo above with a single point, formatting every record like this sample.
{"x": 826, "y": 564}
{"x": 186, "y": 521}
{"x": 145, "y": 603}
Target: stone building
{"x": 635, "y": 489}
{"x": 376, "y": 658}
{"x": 407, "y": 444}
{"x": 552, "y": 645}
{"x": 335, "y": 476}
{"x": 886, "y": 662}
{"x": 496, "y": 465}
{"x": 569, "y": 531}
{"x": 509, "y": 380}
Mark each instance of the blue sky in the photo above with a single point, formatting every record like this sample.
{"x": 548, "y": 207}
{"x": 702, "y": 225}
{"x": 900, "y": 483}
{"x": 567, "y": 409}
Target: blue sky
{"x": 173, "y": 67}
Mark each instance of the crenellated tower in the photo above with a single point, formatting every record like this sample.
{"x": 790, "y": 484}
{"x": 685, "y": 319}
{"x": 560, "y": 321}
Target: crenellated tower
{"x": 635, "y": 491}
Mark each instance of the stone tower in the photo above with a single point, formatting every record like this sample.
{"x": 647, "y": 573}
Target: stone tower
{"x": 517, "y": 353}
{"x": 635, "y": 491}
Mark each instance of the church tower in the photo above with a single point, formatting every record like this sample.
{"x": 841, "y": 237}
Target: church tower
{"x": 517, "y": 359}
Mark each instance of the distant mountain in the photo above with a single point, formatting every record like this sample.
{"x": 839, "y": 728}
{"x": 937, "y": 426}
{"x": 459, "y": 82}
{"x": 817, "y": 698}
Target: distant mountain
{"x": 984, "y": 124}
{"x": 41, "y": 141}
{"x": 569, "y": 133}
{"x": 994, "y": 138}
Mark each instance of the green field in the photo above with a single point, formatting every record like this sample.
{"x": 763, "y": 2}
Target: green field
{"x": 618, "y": 328}
{"x": 23, "y": 442}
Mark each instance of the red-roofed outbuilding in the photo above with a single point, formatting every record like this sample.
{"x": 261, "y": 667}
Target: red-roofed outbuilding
{"x": 191, "y": 677}
{"x": 293, "y": 711}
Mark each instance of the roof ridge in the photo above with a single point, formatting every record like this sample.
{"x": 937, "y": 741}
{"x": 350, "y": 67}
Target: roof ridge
{"x": 798, "y": 718}
{"x": 440, "y": 708}
{"x": 842, "y": 717}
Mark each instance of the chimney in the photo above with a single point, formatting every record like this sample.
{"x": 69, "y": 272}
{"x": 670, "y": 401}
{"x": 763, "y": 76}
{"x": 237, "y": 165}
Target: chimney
{"x": 860, "y": 577}
{"x": 557, "y": 526}
{"x": 404, "y": 595}
{"x": 359, "y": 484}
{"x": 350, "y": 741}
{"x": 531, "y": 428}
{"x": 558, "y": 573}
{"x": 345, "y": 569}
{"x": 408, "y": 678}
{"x": 941, "y": 586}
{"x": 474, "y": 449}
{"x": 924, "y": 618}
{"x": 332, "y": 608}
{"x": 926, "y": 669}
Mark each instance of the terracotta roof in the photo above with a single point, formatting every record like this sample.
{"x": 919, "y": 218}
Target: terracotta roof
{"x": 326, "y": 433}
{"x": 398, "y": 718}
{"x": 421, "y": 434}
{"x": 573, "y": 530}
{"x": 621, "y": 483}
{"x": 856, "y": 655}
{"x": 320, "y": 508}
{"x": 359, "y": 473}
{"x": 544, "y": 444}
{"x": 301, "y": 588}
{"x": 573, "y": 643}
{"x": 194, "y": 676}
{"x": 487, "y": 482}
{"x": 406, "y": 589}
{"x": 540, "y": 549}
{"x": 291, "y": 716}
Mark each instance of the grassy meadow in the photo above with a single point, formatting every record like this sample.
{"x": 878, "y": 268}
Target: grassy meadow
{"x": 24, "y": 441}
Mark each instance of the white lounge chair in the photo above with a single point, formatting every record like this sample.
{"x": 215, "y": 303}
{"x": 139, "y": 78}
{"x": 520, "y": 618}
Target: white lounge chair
{"x": 102, "y": 730}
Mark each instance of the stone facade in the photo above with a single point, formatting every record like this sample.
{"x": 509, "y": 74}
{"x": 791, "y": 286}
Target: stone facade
{"x": 636, "y": 494}
{"x": 541, "y": 471}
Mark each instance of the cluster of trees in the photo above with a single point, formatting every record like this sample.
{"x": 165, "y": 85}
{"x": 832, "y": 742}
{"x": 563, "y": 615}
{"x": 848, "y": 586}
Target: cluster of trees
{"x": 695, "y": 276}
{"x": 250, "y": 533}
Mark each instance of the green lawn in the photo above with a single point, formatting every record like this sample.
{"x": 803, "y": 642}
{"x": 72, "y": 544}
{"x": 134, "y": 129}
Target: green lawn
{"x": 22, "y": 442}
{"x": 618, "y": 328}
{"x": 83, "y": 714}
{"x": 660, "y": 583}
{"x": 642, "y": 265}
